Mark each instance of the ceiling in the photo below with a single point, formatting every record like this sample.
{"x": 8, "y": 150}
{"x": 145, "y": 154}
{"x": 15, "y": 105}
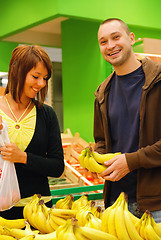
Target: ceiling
{"x": 48, "y": 33}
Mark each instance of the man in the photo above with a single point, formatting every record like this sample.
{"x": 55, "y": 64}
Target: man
{"x": 127, "y": 120}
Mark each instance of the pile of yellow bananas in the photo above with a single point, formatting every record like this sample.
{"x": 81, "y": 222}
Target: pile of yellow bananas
{"x": 94, "y": 161}
{"x": 148, "y": 228}
{"x": 72, "y": 231}
{"x": 119, "y": 222}
{"x": 16, "y": 225}
{"x": 79, "y": 220}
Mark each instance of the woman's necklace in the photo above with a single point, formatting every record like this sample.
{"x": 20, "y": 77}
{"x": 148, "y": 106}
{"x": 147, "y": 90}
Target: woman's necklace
{"x": 17, "y": 120}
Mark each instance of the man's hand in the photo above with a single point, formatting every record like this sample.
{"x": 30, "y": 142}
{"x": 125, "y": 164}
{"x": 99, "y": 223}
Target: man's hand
{"x": 117, "y": 168}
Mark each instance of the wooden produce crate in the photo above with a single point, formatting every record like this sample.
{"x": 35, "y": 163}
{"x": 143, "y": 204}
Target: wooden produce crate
{"x": 75, "y": 176}
{"x": 69, "y": 179}
{"x": 62, "y": 182}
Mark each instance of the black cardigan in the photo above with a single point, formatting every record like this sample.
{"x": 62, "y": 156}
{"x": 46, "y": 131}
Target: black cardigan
{"x": 44, "y": 157}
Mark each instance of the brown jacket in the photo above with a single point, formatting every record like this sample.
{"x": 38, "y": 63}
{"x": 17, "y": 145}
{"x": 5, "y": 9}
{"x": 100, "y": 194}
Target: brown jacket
{"x": 147, "y": 160}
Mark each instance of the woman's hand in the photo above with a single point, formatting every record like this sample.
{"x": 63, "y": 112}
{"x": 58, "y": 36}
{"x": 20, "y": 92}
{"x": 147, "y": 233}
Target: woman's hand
{"x": 117, "y": 168}
{"x": 13, "y": 154}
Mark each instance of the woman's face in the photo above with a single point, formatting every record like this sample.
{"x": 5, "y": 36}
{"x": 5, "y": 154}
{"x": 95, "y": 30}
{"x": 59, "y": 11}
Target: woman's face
{"x": 35, "y": 80}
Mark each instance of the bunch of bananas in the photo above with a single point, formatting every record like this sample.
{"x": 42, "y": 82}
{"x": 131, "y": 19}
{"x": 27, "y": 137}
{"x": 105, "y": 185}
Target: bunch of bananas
{"x": 72, "y": 231}
{"x": 65, "y": 203}
{"x": 98, "y": 212}
{"x": 92, "y": 221}
{"x": 94, "y": 161}
{"x": 66, "y": 231}
{"x": 6, "y": 237}
{"x": 80, "y": 202}
{"x": 118, "y": 221}
{"x": 148, "y": 228}
{"x": 28, "y": 233}
{"x": 45, "y": 219}
{"x": 83, "y": 211}
{"x": 6, "y": 225}
{"x": 15, "y": 223}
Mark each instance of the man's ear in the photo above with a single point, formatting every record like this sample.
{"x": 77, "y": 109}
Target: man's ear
{"x": 132, "y": 38}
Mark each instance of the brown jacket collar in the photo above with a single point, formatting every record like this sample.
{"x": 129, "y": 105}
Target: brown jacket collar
{"x": 150, "y": 68}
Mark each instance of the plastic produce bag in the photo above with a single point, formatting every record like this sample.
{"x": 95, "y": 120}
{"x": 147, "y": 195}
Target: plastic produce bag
{"x": 9, "y": 187}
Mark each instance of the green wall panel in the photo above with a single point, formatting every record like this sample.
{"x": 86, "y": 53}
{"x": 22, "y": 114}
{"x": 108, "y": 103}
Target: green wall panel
{"x": 18, "y": 15}
{"x": 6, "y": 49}
{"x": 144, "y": 32}
{"x": 83, "y": 70}
{"x": 144, "y": 13}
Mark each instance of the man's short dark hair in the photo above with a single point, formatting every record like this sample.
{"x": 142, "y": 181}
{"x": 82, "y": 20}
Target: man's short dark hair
{"x": 124, "y": 25}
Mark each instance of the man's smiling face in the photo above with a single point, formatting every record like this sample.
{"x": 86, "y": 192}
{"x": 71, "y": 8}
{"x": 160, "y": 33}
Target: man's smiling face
{"x": 115, "y": 43}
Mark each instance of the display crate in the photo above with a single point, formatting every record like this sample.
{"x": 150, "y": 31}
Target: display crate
{"x": 73, "y": 179}
{"x": 68, "y": 139}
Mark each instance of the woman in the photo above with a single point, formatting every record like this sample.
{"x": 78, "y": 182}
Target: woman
{"x": 34, "y": 133}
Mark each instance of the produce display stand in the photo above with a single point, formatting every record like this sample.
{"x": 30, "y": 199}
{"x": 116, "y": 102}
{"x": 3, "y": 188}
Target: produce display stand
{"x": 94, "y": 192}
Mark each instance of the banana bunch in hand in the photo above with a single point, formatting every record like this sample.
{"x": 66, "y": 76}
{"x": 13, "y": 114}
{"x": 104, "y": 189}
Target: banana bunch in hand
{"x": 65, "y": 203}
{"x": 94, "y": 161}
